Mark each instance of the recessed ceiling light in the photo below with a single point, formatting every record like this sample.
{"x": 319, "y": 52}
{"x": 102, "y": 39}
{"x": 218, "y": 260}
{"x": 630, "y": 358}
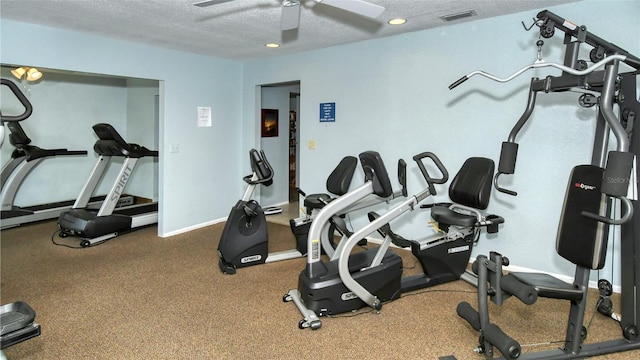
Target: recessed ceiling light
{"x": 272, "y": 45}
{"x": 396, "y": 21}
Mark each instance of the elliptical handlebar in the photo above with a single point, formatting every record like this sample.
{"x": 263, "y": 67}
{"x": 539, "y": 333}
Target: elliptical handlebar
{"x": 431, "y": 180}
{"x": 402, "y": 176}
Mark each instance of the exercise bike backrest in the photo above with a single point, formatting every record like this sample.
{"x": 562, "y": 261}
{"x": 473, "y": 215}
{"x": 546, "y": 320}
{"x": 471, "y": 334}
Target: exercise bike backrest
{"x": 339, "y": 180}
{"x": 375, "y": 171}
{"x": 472, "y": 184}
{"x": 262, "y": 170}
{"x": 470, "y": 189}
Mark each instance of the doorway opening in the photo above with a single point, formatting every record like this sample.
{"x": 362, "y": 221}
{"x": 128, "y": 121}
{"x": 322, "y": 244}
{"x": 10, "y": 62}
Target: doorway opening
{"x": 282, "y": 146}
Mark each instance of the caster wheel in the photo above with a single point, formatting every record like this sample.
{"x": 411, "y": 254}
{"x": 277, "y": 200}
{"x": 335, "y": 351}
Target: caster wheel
{"x": 315, "y": 325}
{"x": 286, "y": 298}
{"x": 63, "y": 234}
{"x": 302, "y": 324}
{"x": 85, "y": 243}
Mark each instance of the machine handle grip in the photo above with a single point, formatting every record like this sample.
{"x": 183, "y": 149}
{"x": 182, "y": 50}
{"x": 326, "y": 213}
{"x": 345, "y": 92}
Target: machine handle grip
{"x": 458, "y": 82}
{"x": 501, "y": 189}
{"x": 28, "y": 109}
{"x": 467, "y": 312}
{"x": 430, "y": 180}
{"x": 526, "y": 293}
{"x": 509, "y": 348}
{"x": 402, "y": 176}
{"x": 628, "y": 214}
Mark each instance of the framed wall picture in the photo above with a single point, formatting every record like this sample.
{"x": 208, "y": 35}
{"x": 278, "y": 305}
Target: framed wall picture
{"x": 269, "y": 122}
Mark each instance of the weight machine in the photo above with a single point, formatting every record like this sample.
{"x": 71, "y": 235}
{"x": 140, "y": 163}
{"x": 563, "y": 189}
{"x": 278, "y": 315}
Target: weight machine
{"x": 605, "y": 88}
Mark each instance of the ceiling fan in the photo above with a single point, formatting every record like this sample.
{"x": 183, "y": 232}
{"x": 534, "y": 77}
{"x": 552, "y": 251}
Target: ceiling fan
{"x": 290, "y": 18}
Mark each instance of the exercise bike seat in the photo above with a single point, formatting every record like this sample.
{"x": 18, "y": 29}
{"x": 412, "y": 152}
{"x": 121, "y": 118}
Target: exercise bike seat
{"x": 338, "y": 183}
{"x": 444, "y": 215}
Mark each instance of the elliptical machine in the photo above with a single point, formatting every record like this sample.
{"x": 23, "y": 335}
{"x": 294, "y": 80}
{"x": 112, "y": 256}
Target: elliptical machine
{"x": 351, "y": 281}
{"x": 338, "y": 184}
{"x": 244, "y": 240}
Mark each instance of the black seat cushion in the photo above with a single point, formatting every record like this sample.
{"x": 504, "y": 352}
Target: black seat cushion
{"x": 549, "y": 287}
{"x": 443, "y": 215}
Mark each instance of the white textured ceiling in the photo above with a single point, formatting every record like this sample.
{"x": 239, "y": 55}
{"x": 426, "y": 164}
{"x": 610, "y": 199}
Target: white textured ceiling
{"x": 239, "y": 29}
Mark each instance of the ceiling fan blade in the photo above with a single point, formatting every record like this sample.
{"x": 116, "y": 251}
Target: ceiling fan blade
{"x": 210, "y": 2}
{"x": 290, "y": 15}
{"x": 359, "y": 7}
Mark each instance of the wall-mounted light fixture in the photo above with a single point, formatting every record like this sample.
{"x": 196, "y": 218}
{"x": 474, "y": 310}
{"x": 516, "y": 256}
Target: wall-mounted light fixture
{"x": 33, "y": 74}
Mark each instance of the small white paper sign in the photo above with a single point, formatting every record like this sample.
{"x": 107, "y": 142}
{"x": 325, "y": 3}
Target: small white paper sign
{"x": 204, "y": 116}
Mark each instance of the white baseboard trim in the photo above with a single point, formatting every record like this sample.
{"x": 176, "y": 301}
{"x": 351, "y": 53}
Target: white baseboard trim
{"x": 208, "y": 223}
{"x": 191, "y": 228}
{"x": 278, "y": 204}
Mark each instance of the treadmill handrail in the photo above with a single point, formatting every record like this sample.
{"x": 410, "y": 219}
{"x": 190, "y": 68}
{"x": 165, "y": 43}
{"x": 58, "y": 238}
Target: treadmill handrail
{"x": 28, "y": 109}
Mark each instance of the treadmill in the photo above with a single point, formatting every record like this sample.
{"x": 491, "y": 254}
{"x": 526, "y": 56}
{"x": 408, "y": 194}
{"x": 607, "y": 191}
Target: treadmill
{"x": 17, "y": 319}
{"x": 23, "y": 160}
{"x": 107, "y": 222}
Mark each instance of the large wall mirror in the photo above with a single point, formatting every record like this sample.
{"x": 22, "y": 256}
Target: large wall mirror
{"x": 66, "y": 105}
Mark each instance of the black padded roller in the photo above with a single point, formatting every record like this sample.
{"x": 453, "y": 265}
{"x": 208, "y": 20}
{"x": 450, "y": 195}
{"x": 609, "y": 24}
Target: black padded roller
{"x": 509, "y": 348}
{"x": 526, "y": 293}
{"x": 467, "y": 312}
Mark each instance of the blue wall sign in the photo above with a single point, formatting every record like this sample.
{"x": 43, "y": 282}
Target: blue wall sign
{"x": 328, "y": 112}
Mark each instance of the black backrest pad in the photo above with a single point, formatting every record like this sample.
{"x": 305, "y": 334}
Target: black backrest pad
{"x": 374, "y": 170}
{"x": 340, "y": 178}
{"x": 472, "y": 184}
{"x": 258, "y": 165}
{"x": 581, "y": 240}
